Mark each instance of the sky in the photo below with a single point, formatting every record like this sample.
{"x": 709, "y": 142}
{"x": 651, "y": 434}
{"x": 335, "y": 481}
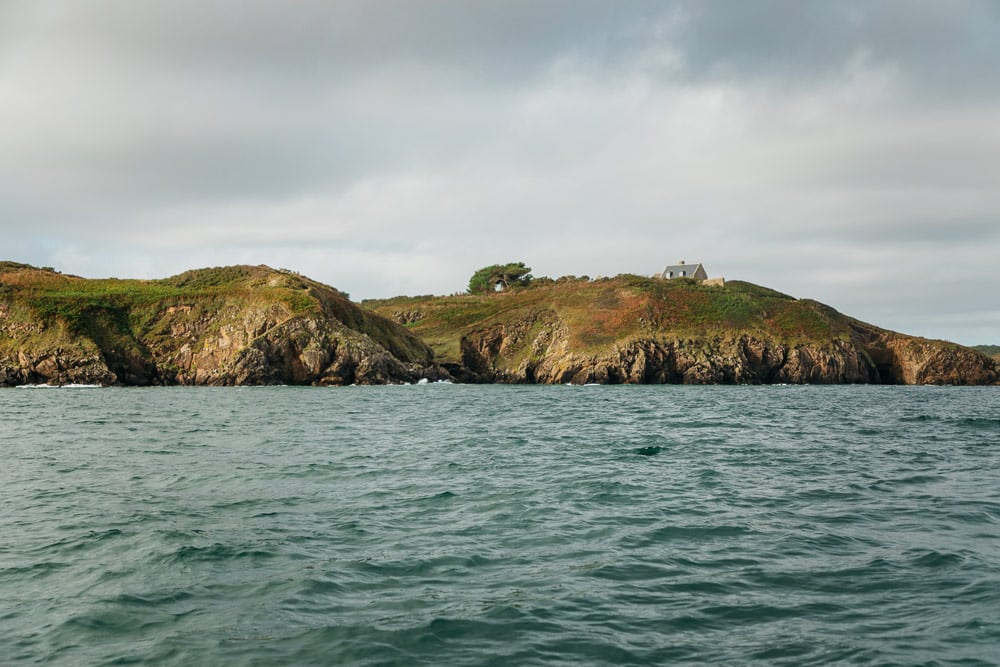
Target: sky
{"x": 843, "y": 151}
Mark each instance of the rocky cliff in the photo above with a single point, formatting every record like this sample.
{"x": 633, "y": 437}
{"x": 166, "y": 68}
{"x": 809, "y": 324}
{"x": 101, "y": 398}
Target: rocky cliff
{"x": 636, "y": 330}
{"x": 256, "y": 325}
{"x": 224, "y": 326}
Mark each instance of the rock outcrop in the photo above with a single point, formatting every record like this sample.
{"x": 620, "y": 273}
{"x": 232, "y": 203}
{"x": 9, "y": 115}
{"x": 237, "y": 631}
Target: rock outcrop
{"x": 232, "y": 326}
{"x": 723, "y": 360}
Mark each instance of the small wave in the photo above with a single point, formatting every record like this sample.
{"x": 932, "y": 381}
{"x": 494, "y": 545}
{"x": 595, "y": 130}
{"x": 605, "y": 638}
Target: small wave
{"x": 919, "y": 479}
{"x": 444, "y": 495}
{"x": 217, "y": 552}
{"x": 84, "y": 541}
{"x": 35, "y": 570}
{"x": 313, "y": 586}
{"x": 152, "y": 599}
{"x": 71, "y": 385}
{"x": 633, "y": 572}
{"x": 932, "y": 559}
{"x": 979, "y": 423}
{"x": 752, "y": 613}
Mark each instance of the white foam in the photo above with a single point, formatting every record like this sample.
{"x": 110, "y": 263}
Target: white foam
{"x": 71, "y": 385}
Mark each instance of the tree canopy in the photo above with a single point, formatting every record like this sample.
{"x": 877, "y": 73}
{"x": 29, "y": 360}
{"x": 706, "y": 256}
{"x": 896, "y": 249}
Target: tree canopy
{"x": 488, "y": 278}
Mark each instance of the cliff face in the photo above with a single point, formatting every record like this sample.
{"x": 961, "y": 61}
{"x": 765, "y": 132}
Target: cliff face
{"x": 745, "y": 359}
{"x": 238, "y": 325}
{"x": 909, "y": 360}
{"x": 255, "y": 325}
{"x": 740, "y": 360}
{"x": 635, "y": 330}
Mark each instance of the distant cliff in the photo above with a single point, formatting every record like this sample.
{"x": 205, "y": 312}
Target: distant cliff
{"x": 222, "y": 326}
{"x": 256, "y": 325}
{"x": 631, "y": 329}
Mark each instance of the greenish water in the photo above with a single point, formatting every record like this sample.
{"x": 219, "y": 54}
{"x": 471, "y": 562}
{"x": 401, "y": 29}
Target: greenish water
{"x": 494, "y": 525}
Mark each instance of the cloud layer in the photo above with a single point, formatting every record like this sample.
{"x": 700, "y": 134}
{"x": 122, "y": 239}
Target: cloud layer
{"x": 848, "y": 152}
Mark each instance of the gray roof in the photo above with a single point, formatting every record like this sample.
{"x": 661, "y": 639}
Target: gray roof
{"x": 689, "y": 269}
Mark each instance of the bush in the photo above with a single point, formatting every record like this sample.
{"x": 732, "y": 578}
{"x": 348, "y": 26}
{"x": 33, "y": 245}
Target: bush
{"x": 488, "y": 278}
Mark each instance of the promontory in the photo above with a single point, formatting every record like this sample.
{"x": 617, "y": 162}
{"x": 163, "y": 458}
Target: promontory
{"x": 256, "y": 325}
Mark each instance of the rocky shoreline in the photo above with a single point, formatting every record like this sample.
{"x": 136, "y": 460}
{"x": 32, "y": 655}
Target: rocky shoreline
{"x": 259, "y": 326}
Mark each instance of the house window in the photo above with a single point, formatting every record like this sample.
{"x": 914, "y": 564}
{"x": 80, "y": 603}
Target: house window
{"x": 683, "y": 273}
{"x": 670, "y": 274}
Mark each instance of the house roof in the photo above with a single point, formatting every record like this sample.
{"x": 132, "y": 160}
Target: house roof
{"x": 689, "y": 269}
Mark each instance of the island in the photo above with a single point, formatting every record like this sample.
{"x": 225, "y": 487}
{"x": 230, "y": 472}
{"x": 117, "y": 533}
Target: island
{"x": 255, "y": 325}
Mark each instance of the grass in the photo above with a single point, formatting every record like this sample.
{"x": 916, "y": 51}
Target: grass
{"x": 611, "y": 311}
{"x": 118, "y": 314}
{"x": 142, "y": 324}
{"x": 214, "y": 277}
{"x": 595, "y": 314}
{"x": 77, "y": 301}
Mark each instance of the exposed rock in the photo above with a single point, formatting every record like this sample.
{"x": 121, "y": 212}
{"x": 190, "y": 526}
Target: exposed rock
{"x": 254, "y": 325}
{"x": 268, "y": 327}
{"x": 870, "y": 356}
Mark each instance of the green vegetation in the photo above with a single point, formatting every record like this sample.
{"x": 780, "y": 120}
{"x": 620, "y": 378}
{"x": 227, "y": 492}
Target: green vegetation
{"x": 988, "y": 350}
{"x": 199, "y": 319}
{"x": 219, "y": 276}
{"x": 77, "y": 301}
{"x": 592, "y": 314}
{"x": 610, "y": 311}
{"x": 502, "y": 276}
{"x": 117, "y": 314}
{"x": 7, "y": 267}
{"x": 195, "y": 326}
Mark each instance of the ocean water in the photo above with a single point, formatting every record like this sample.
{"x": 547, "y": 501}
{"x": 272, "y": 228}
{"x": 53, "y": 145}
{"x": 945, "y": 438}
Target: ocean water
{"x": 500, "y": 525}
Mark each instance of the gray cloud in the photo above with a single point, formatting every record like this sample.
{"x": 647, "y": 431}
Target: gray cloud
{"x": 948, "y": 47}
{"x": 835, "y": 150}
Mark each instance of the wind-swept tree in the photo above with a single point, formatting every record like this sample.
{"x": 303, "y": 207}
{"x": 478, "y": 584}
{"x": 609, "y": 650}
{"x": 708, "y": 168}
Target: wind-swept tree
{"x": 499, "y": 277}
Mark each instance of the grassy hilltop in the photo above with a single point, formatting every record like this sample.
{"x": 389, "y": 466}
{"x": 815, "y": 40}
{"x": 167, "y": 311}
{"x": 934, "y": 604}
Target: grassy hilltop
{"x": 227, "y": 325}
{"x": 636, "y": 329}
{"x": 615, "y": 310}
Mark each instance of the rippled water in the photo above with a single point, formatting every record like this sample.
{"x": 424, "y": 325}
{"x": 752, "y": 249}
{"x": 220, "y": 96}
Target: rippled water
{"x": 495, "y": 525}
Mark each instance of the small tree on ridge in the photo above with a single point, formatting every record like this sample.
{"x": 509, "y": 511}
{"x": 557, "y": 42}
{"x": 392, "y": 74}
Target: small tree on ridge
{"x": 499, "y": 277}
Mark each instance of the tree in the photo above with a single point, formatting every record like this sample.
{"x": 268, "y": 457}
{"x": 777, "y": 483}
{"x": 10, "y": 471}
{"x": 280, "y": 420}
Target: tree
{"x": 499, "y": 277}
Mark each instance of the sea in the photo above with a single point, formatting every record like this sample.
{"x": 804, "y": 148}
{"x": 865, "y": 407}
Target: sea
{"x": 442, "y": 524}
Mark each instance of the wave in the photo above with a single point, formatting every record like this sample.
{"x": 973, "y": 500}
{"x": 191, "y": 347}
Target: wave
{"x": 71, "y": 385}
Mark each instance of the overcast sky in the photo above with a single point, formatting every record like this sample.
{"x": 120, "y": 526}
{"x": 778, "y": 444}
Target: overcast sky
{"x": 843, "y": 151}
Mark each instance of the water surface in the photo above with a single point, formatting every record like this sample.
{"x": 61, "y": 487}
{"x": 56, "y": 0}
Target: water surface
{"x": 496, "y": 525}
